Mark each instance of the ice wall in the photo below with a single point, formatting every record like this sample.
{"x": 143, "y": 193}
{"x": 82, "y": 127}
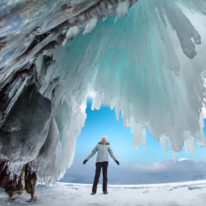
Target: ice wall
{"x": 149, "y": 65}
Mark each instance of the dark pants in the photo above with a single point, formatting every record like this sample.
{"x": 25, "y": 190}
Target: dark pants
{"x": 104, "y": 166}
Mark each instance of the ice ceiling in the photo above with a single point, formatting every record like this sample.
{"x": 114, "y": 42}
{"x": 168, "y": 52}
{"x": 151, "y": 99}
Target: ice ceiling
{"x": 150, "y": 65}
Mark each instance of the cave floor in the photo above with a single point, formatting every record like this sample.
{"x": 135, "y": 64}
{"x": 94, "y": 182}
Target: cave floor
{"x": 70, "y": 194}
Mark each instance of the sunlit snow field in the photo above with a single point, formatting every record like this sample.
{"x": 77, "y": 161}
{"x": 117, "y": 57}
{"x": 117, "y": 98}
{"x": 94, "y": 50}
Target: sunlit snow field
{"x": 67, "y": 194}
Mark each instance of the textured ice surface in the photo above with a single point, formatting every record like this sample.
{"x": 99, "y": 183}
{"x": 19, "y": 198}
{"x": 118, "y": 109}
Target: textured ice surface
{"x": 149, "y": 65}
{"x": 64, "y": 194}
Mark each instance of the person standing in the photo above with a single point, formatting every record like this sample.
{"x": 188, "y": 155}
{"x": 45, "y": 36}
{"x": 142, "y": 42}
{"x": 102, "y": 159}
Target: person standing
{"x": 103, "y": 148}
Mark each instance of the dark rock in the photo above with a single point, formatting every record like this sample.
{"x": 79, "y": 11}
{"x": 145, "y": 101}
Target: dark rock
{"x": 26, "y": 126}
{"x": 13, "y": 185}
{"x": 4, "y": 174}
{"x": 30, "y": 180}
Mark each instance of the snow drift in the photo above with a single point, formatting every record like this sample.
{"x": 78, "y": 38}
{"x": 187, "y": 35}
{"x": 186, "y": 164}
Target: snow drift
{"x": 148, "y": 65}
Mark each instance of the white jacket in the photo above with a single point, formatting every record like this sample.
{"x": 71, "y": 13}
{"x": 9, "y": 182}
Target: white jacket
{"x": 103, "y": 149}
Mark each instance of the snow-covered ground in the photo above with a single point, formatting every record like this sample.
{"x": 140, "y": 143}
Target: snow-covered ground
{"x": 67, "y": 194}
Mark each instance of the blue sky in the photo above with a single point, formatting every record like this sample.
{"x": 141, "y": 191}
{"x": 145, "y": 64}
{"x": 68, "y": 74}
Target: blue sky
{"x": 132, "y": 161}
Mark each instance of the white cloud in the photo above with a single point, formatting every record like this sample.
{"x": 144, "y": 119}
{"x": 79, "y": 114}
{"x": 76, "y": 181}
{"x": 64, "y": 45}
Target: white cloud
{"x": 182, "y": 159}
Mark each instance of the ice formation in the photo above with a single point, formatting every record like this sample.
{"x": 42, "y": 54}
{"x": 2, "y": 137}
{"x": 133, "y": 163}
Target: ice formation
{"x": 148, "y": 65}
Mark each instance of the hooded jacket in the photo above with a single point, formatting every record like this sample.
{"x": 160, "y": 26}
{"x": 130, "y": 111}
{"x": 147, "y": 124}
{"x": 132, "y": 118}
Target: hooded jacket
{"x": 103, "y": 148}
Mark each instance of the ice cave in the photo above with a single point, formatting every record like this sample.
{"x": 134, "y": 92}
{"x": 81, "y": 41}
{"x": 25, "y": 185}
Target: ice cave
{"x": 144, "y": 58}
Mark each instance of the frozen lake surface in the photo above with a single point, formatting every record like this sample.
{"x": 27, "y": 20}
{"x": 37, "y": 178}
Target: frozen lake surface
{"x": 70, "y": 194}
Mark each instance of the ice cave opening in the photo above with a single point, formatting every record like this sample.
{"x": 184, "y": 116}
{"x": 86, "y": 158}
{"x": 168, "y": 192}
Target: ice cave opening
{"x": 148, "y": 164}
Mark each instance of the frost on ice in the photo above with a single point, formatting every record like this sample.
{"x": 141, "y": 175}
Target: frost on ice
{"x": 149, "y": 66}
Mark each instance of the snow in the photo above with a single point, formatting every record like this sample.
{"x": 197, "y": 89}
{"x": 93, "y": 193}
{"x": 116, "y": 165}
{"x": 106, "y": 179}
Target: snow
{"x": 73, "y": 31}
{"x": 64, "y": 194}
{"x": 90, "y": 25}
{"x": 122, "y": 9}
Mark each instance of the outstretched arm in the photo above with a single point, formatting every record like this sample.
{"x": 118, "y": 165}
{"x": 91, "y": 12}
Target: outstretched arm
{"x": 111, "y": 153}
{"x": 93, "y": 152}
